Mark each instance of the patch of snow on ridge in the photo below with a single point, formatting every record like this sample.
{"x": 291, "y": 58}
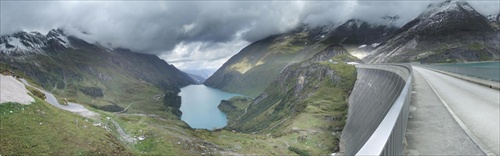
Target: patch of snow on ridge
{"x": 61, "y": 39}
{"x": 13, "y": 91}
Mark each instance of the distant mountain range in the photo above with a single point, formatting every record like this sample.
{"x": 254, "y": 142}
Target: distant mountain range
{"x": 299, "y": 81}
{"x": 450, "y": 31}
{"x": 88, "y": 73}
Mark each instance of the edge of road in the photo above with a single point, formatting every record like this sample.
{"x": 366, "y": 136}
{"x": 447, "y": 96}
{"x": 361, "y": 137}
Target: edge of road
{"x": 476, "y": 140}
{"x": 482, "y": 82}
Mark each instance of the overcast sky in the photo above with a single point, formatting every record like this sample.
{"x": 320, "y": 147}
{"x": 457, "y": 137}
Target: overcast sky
{"x": 196, "y": 34}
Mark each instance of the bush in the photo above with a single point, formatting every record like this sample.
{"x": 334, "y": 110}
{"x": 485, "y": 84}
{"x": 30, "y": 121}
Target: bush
{"x": 36, "y": 92}
{"x": 92, "y": 91}
{"x": 298, "y": 151}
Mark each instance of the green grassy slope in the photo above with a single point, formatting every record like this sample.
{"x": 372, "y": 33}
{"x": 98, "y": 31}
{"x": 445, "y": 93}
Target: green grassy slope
{"x": 234, "y": 107}
{"x": 251, "y": 70}
{"x": 108, "y": 80}
{"x": 301, "y": 108}
{"x": 41, "y": 129}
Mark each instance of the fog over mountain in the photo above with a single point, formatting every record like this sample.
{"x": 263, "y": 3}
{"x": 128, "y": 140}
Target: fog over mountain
{"x": 197, "y": 34}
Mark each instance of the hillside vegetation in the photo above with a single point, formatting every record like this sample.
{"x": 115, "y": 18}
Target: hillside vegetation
{"x": 251, "y": 70}
{"x": 41, "y": 129}
{"x": 302, "y": 107}
{"x": 110, "y": 80}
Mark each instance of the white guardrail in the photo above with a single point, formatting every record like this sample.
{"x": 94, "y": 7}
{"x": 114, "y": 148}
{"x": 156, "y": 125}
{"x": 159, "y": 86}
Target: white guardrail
{"x": 387, "y": 139}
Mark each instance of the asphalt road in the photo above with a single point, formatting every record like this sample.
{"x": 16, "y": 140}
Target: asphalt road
{"x": 477, "y": 107}
{"x": 72, "y": 107}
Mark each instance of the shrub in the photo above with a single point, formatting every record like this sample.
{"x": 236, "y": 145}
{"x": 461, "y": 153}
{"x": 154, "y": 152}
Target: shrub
{"x": 36, "y": 92}
{"x": 92, "y": 91}
{"x": 298, "y": 151}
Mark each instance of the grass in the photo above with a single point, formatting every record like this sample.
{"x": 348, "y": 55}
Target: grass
{"x": 234, "y": 107}
{"x": 476, "y": 46}
{"x": 302, "y": 119}
{"x": 94, "y": 77}
{"x": 298, "y": 151}
{"x": 255, "y": 67}
{"x": 41, "y": 129}
{"x": 36, "y": 92}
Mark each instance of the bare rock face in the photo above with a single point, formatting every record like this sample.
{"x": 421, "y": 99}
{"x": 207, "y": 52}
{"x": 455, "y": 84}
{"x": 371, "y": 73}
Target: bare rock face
{"x": 286, "y": 94}
{"x": 251, "y": 70}
{"x": 441, "y": 26}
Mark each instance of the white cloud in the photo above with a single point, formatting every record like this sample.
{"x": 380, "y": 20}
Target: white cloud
{"x": 204, "y": 55}
{"x": 206, "y": 32}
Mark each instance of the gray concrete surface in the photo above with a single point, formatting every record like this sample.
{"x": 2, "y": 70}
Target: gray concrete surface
{"x": 375, "y": 91}
{"x": 433, "y": 129}
{"x": 480, "y": 81}
{"x": 72, "y": 107}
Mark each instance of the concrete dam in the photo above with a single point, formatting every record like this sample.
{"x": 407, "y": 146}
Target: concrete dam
{"x": 403, "y": 109}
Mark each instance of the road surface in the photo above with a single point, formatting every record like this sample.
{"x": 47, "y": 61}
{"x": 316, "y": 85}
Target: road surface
{"x": 72, "y": 107}
{"x": 476, "y": 107}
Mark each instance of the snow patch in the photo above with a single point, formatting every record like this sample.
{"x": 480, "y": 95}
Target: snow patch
{"x": 61, "y": 39}
{"x": 362, "y": 46}
{"x": 13, "y": 91}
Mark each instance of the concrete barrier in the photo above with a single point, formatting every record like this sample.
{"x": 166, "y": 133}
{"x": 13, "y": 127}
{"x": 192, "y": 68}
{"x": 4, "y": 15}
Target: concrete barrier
{"x": 378, "y": 110}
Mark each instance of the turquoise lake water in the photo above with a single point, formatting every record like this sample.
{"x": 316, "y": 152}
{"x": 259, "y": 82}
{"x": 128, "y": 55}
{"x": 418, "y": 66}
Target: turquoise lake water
{"x": 199, "y": 106}
{"x": 476, "y": 64}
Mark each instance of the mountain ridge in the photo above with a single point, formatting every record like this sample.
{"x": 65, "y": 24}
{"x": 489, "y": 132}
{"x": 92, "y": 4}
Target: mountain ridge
{"x": 245, "y": 72}
{"x": 443, "y": 32}
{"x": 93, "y": 74}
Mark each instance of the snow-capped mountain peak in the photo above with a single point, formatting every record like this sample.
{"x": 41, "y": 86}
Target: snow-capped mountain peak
{"x": 59, "y": 37}
{"x": 447, "y": 7}
{"x": 440, "y": 23}
{"x": 33, "y": 42}
{"x": 22, "y": 42}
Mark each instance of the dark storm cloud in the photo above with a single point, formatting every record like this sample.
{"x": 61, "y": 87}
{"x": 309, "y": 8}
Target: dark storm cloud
{"x": 203, "y": 33}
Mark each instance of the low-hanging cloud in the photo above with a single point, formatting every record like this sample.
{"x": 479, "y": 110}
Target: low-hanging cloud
{"x": 196, "y": 34}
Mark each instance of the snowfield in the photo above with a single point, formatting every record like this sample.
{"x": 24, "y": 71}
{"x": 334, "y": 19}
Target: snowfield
{"x": 12, "y": 90}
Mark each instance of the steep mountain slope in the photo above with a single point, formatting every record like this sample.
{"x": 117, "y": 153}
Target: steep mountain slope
{"x": 109, "y": 79}
{"x": 447, "y": 31}
{"x": 358, "y": 32}
{"x": 198, "y": 79}
{"x": 494, "y": 21}
{"x": 307, "y": 98}
{"x": 251, "y": 70}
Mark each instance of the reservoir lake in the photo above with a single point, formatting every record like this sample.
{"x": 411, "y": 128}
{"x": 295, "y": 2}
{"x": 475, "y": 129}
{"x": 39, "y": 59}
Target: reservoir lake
{"x": 199, "y": 106}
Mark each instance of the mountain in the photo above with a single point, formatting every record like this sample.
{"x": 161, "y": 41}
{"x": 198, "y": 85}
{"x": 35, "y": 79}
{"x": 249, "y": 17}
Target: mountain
{"x": 197, "y": 78}
{"x": 358, "y": 32}
{"x": 34, "y": 42}
{"x": 108, "y": 79}
{"x": 316, "y": 90}
{"x": 494, "y": 21}
{"x": 251, "y": 70}
{"x": 447, "y": 31}
{"x": 205, "y": 73}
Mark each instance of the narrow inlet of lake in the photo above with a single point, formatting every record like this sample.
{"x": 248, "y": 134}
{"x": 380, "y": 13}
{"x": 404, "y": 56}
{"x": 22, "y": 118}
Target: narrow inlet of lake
{"x": 199, "y": 106}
